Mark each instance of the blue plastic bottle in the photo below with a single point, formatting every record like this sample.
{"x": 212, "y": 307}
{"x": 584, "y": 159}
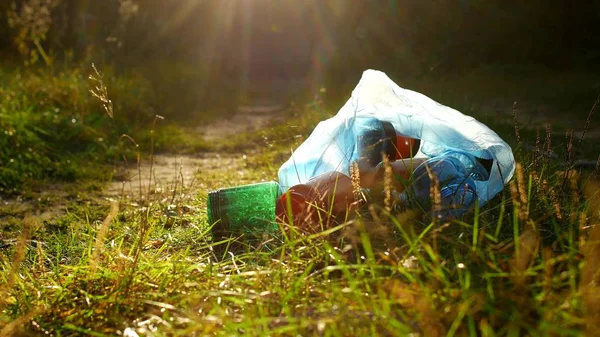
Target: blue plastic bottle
{"x": 456, "y": 173}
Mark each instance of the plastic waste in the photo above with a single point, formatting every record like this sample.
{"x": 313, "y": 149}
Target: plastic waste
{"x": 247, "y": 209}
{"x": 326, "y": 197}
{"x": 362, "y": 139}
{"x": 427, "y": 143}
{"x": 374, "y": 139}
{"x": 455, "y": 174}
{"x": 333, "y": 196}
{"x": 333, "y": 144}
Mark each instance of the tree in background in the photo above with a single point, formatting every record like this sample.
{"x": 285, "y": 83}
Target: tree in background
{"x": 31, "y": 20}
{"x": 201, "y": 54}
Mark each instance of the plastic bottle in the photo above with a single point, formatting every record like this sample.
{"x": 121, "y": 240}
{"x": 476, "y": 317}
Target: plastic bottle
{"x": 324, "y": 198}
{"x": 247, "y": 209}
{"x": 455, "y": 173}
{"x": 332, "y": 196}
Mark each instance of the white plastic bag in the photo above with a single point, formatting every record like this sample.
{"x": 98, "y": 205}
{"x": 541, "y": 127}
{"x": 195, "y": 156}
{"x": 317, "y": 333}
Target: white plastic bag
{"x": 440, "y": 128}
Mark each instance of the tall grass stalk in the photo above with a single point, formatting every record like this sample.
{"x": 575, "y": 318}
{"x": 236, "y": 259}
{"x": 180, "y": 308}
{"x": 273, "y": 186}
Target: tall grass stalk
{"x": 101, "y": 236}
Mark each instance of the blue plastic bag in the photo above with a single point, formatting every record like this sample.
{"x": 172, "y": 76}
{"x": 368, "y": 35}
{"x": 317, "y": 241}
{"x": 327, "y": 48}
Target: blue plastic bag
{"x": 332, "y": 144}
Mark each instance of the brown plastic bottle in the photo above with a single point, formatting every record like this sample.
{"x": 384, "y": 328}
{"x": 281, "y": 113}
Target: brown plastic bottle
{"x": 330, "y": 197}
{"x": 325, "y": 198}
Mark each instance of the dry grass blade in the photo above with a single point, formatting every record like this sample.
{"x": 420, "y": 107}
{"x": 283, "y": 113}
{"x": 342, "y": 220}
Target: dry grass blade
{"x": 28, "y": 224}
{"x": 514, "y": 194}
{"x": 387, "y": 183}
{"x": 138, "y": 160}
{"x": 514, "y": 112}
{"x": 573, "y": 184}
{"x": 101, "y": 92}
{"x": 355, "y": 180}
{"x": 537, "y": 150}
{"x": 156, "y": 118}
{"x": 523, "y": 213}
{"x": 99, "y": 244}
{"x": 435, "y": 193}
{"x": 587, "y": 122}
{"x": 570, "y": 158}
{"x": 548, "y": 143}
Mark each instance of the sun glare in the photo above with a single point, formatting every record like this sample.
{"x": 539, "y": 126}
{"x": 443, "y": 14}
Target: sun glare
{"x": 276, "y": 39}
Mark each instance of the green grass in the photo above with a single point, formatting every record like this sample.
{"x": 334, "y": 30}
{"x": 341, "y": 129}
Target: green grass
{"x": 525, "y": 264}
{"x": 54, "y": 130}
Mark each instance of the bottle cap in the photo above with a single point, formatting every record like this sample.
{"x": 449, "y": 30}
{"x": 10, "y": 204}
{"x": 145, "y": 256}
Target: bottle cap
{"x": 406, "y": 147}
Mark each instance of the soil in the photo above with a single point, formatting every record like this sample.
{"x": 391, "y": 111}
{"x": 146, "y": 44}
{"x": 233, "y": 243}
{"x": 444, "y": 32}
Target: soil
{"x": 179, "y": 170}
{"x": 246, "y": 119}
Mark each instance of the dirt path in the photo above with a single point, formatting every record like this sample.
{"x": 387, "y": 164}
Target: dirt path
{"x": 169, "y": 171}
{"x": 247, "y": 119}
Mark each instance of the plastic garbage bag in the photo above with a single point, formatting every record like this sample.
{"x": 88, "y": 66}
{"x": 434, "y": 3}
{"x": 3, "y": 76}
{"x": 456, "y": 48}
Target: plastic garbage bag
{"x": 332, "y": 145}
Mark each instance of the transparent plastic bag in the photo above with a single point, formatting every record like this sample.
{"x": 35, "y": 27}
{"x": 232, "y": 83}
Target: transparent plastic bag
{"x": 332, "y": 144}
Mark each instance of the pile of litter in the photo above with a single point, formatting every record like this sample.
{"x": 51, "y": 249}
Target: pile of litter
{"x": 441, "y": 161}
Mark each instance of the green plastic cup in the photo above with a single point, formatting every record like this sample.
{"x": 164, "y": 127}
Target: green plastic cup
{"x": 247, "y": 210}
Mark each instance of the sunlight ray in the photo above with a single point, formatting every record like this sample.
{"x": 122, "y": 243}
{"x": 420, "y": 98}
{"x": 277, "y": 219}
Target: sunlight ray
{"x": 324, "y": 47}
